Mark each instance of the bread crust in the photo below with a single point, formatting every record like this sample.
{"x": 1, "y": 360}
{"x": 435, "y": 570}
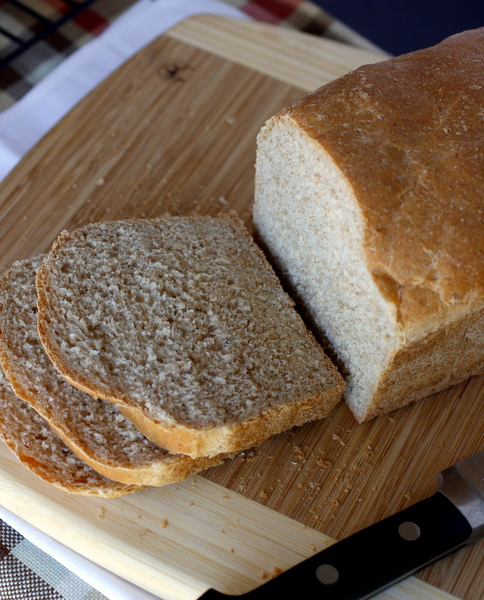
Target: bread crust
{"x": 235, "y": 436}
{"x": 419, "y": 368}
{"x": 174, "y": 468}
{"x": 407, "y": 133}
{"x": 26, "y": 434}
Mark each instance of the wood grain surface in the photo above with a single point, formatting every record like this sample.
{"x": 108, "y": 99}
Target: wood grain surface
{"x": 173, "y": 132}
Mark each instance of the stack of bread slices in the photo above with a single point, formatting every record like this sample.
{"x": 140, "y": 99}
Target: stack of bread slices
{"x": 136, "y": 353}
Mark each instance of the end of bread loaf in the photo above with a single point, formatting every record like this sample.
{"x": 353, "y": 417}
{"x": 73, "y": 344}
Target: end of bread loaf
{"x": 183, "y": 324}
{"x": 307, "y": 214}
{"x": 369, "y": 199}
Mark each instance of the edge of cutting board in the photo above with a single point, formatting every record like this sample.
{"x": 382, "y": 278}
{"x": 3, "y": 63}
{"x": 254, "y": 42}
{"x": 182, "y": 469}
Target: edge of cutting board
{"x": 261, "y": 542}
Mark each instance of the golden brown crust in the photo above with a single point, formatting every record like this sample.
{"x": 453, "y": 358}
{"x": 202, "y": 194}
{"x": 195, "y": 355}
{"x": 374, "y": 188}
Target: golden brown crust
{"x": 178, "y": 468}
{"x": 236, "y": 436}
{"x": 408, "y": 135}
{"x": 406, "y": 139}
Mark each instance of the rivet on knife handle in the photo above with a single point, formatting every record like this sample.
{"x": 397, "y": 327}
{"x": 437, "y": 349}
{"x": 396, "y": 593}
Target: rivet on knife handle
{"x": 379, "y": 556}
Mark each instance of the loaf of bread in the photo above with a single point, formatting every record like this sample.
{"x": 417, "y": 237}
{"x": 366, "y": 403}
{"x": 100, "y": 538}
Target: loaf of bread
{"x": 43, "y": 453}
{"x": 369, "y": 197}
{"x": 94, "y": 429}
{"x": 183, "y": 324}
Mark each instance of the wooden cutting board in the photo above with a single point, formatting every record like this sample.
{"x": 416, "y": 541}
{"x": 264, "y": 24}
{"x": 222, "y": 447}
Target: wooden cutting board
{"x": 173, "y": 131}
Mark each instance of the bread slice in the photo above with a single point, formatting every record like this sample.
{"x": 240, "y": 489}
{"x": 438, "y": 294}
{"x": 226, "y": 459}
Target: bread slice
{"x": 94, "y": 429}
{"x": 369, "y": 198}
{"x": 43, "y": 453}
{"x": 182, "y": 322}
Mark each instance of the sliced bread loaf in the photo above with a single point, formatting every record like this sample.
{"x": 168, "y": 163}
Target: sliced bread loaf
{"x": 182, "y": 322}
{"x": 43, "y": 453}
{"x": 94, "y": 429}
{"x": 369, "y": 197}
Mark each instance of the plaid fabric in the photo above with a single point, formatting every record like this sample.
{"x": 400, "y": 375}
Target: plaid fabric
{"x": 27, "y": 573}
{"x": 298, "y": 14}
{"x": 21, "y": 74}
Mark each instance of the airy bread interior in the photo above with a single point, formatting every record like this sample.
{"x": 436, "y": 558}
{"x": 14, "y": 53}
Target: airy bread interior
{"x": 306, "y": 212}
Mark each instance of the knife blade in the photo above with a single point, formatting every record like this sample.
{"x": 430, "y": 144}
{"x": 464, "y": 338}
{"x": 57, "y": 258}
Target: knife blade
{"x": 375, "y": 558}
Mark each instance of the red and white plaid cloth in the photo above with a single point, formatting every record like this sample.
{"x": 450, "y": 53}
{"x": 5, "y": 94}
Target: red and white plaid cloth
{"x": 19, "y": 76}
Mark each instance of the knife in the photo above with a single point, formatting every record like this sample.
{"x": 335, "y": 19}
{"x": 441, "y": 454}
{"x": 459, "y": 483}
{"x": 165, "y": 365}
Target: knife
{"x": 379, "y": 556}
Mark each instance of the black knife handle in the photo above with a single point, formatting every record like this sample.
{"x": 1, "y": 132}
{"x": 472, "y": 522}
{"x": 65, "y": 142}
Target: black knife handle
{"x": 373, "y": 559}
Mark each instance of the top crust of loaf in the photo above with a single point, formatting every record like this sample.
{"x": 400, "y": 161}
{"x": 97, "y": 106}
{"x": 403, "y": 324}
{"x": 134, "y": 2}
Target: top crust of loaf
{"x": 182, "y": 322}
{"x": 417, "y": 172}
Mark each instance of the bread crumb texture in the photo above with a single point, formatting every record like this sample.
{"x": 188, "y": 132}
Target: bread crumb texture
{"x": 181, "y": 318}
{"x": 26, "y": 360}
{"x": 94, "y": 429}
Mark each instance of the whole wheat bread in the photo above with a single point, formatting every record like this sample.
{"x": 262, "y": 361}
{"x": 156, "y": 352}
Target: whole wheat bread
{"x": 43, "y": 453}
{"x": 369, "y": 197}
{"x": 95, "y": 430}
{"x": 182, "y": 322}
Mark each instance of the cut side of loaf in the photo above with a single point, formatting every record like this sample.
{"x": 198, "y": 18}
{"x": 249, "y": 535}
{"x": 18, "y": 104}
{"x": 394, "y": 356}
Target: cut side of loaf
{"x": 94, "y": 429}
{"x": 183, "y": 324}
{"x": 369, "y": 199}
{"x": 43, "y": 453}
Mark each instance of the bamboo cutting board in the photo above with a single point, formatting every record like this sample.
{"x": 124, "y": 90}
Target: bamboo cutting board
{"x": 173, "y": 131}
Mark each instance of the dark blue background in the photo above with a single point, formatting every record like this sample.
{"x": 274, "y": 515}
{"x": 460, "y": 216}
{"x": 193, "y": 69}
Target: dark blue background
{"x": 399, "y": 26}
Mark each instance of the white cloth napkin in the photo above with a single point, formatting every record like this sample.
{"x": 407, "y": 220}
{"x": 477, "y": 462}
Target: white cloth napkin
{"x": 24, "y": 123}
